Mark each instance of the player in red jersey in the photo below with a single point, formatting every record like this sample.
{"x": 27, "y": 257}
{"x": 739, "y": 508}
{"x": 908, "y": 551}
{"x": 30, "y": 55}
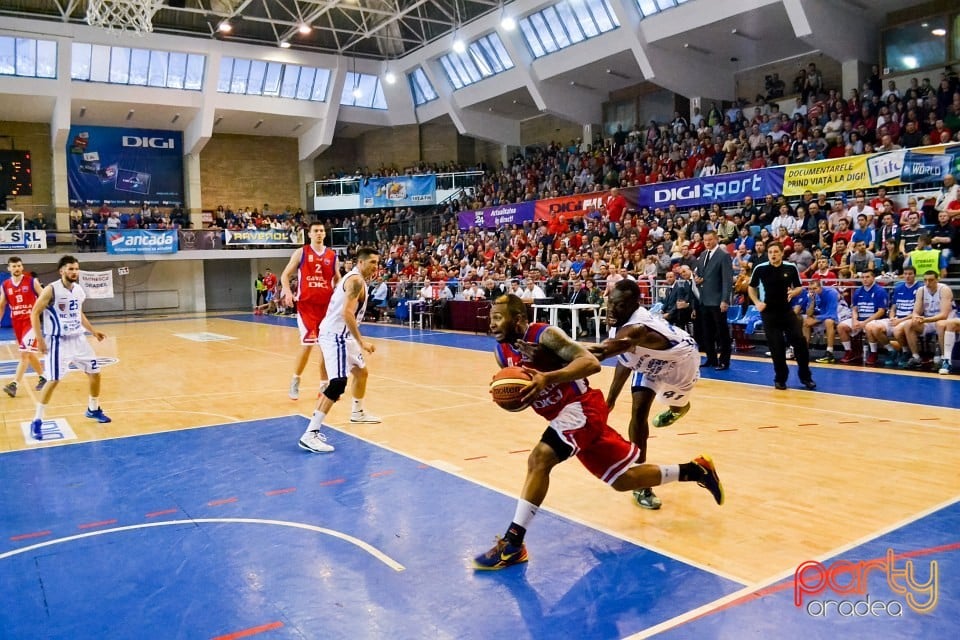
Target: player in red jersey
{"x": 318, "y": 272}
{"x": 559, "y": 392}
{"x": 20, "y": 291}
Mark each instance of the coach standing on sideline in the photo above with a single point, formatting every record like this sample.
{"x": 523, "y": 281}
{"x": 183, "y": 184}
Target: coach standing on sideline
{"x": 715, "y": 269}
{"x": 781, "y": 283}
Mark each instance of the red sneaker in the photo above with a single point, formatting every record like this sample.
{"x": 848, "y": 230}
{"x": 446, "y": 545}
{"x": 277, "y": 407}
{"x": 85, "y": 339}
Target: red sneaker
{"x": 871, "y": 359}
{"x": 849, "y": 357}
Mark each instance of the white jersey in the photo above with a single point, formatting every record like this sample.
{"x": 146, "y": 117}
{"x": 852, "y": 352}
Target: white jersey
{"x": 653, "y": 362}
{"x": 63, "y": 318}
{"x": 333, "y": 324}
{"x": 931, "y": 301}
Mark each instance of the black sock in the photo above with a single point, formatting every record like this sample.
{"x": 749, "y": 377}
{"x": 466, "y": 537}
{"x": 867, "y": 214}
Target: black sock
{"x": 691, "y": 472}
{"x": 514, "y": 534}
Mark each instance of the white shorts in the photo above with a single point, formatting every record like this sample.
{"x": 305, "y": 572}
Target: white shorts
{"x": 64, "y": 351}
{"x": 848, "y": 323}
{"x": 885, "y": 323}
{"x": 341, "y": 355}
{"x": 675, "y": 386}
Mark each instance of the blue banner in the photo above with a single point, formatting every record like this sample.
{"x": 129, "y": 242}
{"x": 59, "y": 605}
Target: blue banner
{"x": 493, "y": 217}
{"x": 928, "y": 167}
{"x": 141, "y": 241}
{"x": 124, "y": 167}
{"x": 725, "y": 187}
{"x": 402, "y": 191}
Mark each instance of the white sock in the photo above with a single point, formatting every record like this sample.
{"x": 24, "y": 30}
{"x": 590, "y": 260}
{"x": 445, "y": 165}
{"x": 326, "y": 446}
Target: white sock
{"x": 949, "y": 339}
{"x": 524, "y": 513}
{"x": 40, "y": 409}
{"x": 847, "y": 345}
{"x": 669, "y": 473}
{"x": 93, "y": 403}
{"x": 873, "y": 347}
{"x": 357, "y": 405}
{"x": 296, "y": 376}
{"x": 829, "y": 349}
{"x": 316, "y": 421}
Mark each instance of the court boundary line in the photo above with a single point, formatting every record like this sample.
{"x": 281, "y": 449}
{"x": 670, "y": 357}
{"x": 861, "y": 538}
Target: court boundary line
{"x": 721, "y": 603}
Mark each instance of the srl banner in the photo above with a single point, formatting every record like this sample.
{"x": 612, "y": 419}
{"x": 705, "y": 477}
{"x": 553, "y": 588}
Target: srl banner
{"x": 97, "y": 284}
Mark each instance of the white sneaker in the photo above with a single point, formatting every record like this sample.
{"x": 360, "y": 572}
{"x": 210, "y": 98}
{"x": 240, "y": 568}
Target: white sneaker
{"x": 364, "y": 417}
{"x": 294, "y": 387}
{"x": 315, "y": 442}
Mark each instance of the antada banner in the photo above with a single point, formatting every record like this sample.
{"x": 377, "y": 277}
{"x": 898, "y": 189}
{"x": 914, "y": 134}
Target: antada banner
{"x": 262, "y": 236}
{"x": 402, "y": 191}
{"x": 22, "y": 239}
{"x": 141, "y": 241}
{"x": 725, "y": 187}
{"x": 493, "y": 217}
{"x": 124, "y": 166}
{"x": 97, "y": 284}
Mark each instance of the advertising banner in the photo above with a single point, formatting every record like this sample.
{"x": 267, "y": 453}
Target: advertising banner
{"x": 22, "y": 239}
{"x": 402, "y": 191}
{"x": 276, "y": 237}
{"x": 200, "y": 239}
{"x": 141, "y": 241}
{"x": 124, "y": 167}
{"x": 97, "y": 284}
{"x": 493, "y": 217}
{"x": 571, "y": 205}
{"x": 843, "y": 174}
{"x": 726, "y": 187}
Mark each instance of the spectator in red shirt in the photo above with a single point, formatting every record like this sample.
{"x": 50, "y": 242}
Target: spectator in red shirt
{"x": 615, "y": 206}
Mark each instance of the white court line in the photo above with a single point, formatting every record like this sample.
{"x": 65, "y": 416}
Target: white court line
{"x": 376, "y": 553}
{"x": 720, "y": 602}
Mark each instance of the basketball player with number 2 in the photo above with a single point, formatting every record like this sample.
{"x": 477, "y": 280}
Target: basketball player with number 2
{"x": 558, "y": 390}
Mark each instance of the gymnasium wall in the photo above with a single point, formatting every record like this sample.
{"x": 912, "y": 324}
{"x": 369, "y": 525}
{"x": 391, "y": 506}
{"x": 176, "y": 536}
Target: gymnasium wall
{"x": 33, "y": 137}
{"x": 546, "y": 128}
{"x": 248, "y": 171}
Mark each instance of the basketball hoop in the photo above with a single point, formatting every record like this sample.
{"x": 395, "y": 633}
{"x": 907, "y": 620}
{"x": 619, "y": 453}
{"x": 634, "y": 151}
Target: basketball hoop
{"x": 122, "y": 16}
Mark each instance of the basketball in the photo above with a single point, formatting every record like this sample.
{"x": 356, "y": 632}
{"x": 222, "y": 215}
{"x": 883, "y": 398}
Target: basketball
{"x": 507, "y": 386}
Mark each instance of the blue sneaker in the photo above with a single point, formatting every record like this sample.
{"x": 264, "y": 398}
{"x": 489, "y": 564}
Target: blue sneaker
{"x": 710, "y": 481}
{"x": 36, "y": 429}
{"x": 502, "y": 555}
{"x": 98, "y": 415}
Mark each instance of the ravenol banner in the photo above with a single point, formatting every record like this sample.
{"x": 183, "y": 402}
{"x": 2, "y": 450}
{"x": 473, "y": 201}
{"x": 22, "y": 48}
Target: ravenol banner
{"x": 493, "y": 217}
{"x": 403, "y": 191}
{"x": 124, "y": 167}
{"x": 725, "y": 187}
{"x": 262, "y": 236}
{"x": 141, "y": 241}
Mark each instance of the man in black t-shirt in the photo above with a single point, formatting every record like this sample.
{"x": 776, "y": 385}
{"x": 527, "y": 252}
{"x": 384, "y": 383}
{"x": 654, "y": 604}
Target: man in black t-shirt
{"x": 781, "y": 283}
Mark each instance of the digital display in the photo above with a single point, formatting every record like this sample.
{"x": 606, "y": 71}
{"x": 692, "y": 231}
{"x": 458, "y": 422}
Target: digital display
{"x": 15, "y": 174}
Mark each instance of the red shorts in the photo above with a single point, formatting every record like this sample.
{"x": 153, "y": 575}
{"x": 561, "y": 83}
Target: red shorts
{"x": 309, "y": 316}
{"x": 23, "y": 330}
{"x": 582, "y": 426}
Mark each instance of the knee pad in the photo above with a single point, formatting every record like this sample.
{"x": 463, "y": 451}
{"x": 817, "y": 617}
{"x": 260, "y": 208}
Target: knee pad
{"x": 335, "y": 389}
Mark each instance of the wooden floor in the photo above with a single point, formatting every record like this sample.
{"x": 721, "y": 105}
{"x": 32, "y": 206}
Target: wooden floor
{"x": 805, "y": 473}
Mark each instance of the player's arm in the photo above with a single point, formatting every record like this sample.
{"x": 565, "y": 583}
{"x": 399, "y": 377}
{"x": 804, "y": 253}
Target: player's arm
{"x": 43, "y": 301}
{"x": 580, "y": 363}
{"x": 354, "y": 289}
{"x": 37, "y": 287}
{"x": 625, "y": 340}
{"x": 946, "y": 306}
{"x": 3, "y": 300}
{"x": 620, "y": 376}
{"x": 99, "y": 335}
{"x": 918, "y": 305}
{"x": 336, "y": 269}
{"x": 288, "y": 270}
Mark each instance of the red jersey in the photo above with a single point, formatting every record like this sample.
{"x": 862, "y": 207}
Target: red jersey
{"x": 315, "y": 275}
{"x": 554, "y": 398}
{"x": 20, "y": 298}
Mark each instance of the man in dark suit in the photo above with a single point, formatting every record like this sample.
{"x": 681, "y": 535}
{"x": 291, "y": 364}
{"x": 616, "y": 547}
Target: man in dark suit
{"x": 678, "y": 302}
{"x": 715, "y": 279}
{"x": 578, "y": 295}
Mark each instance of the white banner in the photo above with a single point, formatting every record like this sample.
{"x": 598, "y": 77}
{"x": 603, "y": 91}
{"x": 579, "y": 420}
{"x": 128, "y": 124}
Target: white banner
{"x": 14, "y": 239}
{"x": 97, "y": 284}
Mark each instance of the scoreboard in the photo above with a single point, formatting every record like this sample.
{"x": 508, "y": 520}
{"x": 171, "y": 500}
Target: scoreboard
{"x": 15, "y": 173}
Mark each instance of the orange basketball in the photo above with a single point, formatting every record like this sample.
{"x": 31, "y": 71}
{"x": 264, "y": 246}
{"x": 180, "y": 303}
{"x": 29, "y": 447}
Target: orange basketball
{"x": 507, "y": 387}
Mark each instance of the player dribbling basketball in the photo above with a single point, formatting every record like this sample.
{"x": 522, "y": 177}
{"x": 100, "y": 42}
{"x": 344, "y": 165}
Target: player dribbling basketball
{"x": 559, "y": 392}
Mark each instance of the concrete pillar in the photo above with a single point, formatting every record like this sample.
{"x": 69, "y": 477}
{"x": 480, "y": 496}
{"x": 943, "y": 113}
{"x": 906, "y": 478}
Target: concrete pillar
{"x": 853, "y": 73}
{"x": 192, "y": 197}
{"x": 307, "y": 175}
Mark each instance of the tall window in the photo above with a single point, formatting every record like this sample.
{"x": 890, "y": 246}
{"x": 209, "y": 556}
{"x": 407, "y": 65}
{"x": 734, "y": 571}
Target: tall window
{"x": 423, "y": 91}
{"x": 273, "y": 79}
{"x": 28, "y": 57}
{"x": 566, "y": 23}
{"x": 485, "y": 57}
{"x": 137, "y": 67}
{"x": 362, "y": 90}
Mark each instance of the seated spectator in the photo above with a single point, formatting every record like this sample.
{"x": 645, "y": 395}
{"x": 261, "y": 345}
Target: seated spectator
{"x": 858, "y": 261}
{"x": 678, "y": 301}
{"x": 532, "y": 292}
{"x": 800, "y": 256}
{"x": 891, "y": 264}
{"x": 869, "y": 303}
{"x": 864, "y": 233}
{"x": 823, "y": 311}
{"x": 943, "y": 237}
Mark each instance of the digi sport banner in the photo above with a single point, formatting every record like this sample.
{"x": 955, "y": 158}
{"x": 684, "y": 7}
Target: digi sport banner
{"x": 124, "y": 167}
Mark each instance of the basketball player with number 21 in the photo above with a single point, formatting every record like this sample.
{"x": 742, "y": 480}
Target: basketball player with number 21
{"x": 554, "y": 371}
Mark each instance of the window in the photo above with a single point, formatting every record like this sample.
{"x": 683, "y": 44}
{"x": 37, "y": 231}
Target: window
{"x": 273, "y": 79}
{"x": 566, "y": 23}
{"x": 139, "y": 67}
{"x": 484, "y": 57}
{"x": 362, "y": 90}
{"x": 915, "y": 46}
{"x": 420, "y": 86}
{"x": 650, "y": 7}
{"x": 28, "y": 57}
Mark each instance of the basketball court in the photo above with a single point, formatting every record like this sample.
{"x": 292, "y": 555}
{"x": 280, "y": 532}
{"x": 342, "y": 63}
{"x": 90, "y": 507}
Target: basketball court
{"x": 195, "y": 513}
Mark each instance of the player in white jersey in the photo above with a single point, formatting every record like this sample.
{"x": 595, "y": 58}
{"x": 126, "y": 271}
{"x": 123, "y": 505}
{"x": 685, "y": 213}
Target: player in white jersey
{"x": 934, "y": 303}
{"x": 59, "y": 325}
{"x": 665, "y": 362}
{"x": 342, "y": 347}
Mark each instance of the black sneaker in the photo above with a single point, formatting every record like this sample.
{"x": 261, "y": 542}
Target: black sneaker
{"x": 781, "y": 386}
{"x": 710, "y": 481}
{"x": 810, "y": 385}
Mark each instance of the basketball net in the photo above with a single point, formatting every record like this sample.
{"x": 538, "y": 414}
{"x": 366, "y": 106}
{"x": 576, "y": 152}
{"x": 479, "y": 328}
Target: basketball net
{"x": 123, "y": 16}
